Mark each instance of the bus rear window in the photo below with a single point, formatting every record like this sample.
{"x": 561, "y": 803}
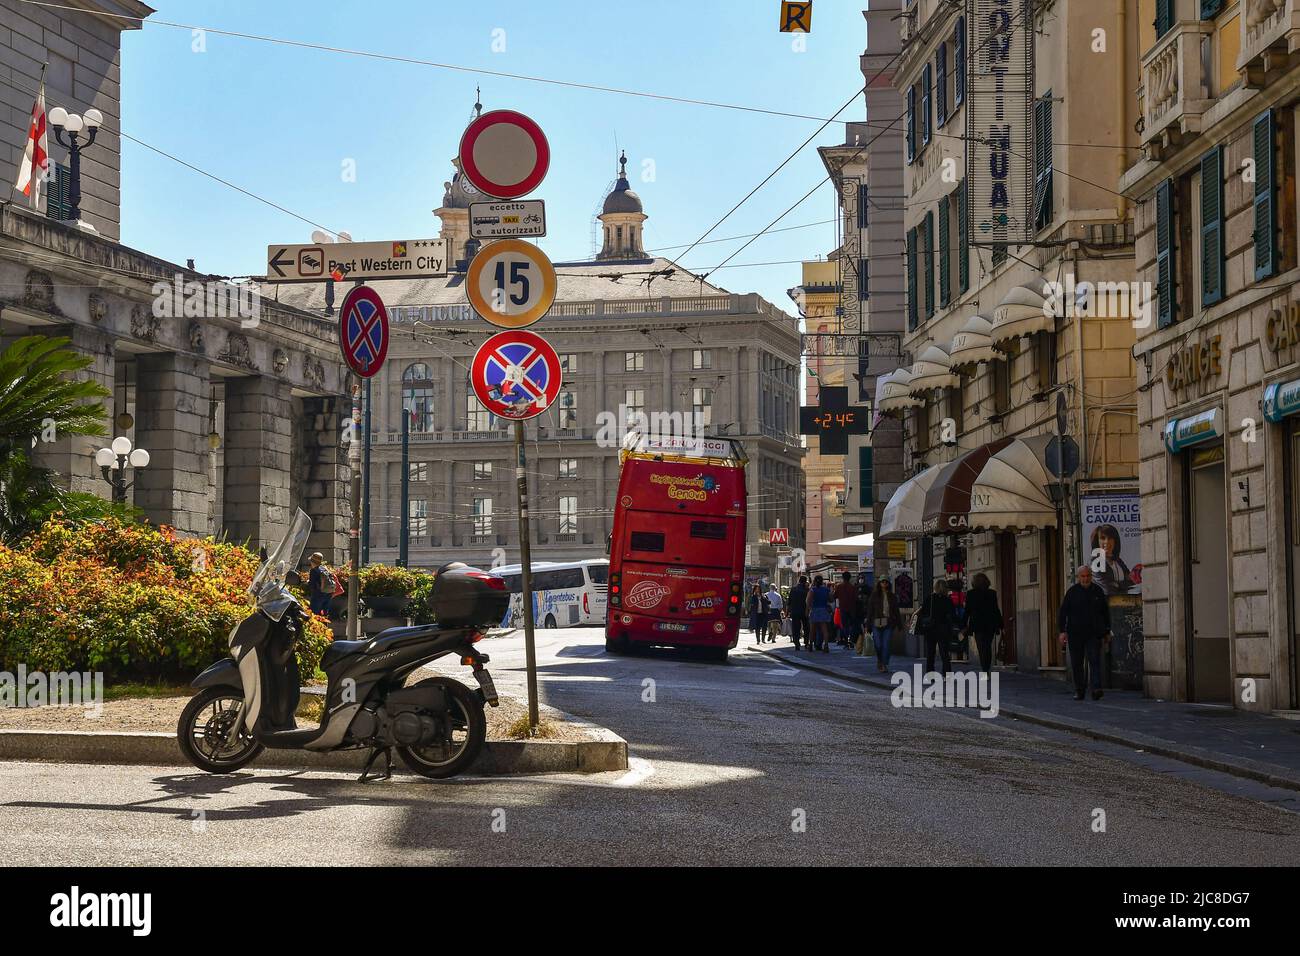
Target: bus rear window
{"x": 712, "y": 530}
{"x": 648, "y": 541}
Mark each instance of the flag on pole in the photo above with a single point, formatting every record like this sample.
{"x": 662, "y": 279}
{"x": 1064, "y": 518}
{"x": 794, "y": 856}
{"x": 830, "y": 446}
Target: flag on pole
{"x": 36, "y": 157}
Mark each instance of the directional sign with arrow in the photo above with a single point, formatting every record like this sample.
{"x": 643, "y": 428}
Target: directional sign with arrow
{"x": 399, "y": 259}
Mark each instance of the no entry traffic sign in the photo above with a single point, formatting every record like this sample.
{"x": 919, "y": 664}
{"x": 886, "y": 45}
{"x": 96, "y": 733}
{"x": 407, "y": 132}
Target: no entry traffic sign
{"x": 516, "y": 375}
{"x": 363, "y": 331}
{"x": 511, "y": 283}
{"x": 504, "y": 154}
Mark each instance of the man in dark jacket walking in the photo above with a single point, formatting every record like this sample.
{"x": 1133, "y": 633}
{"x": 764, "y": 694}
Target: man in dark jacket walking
{"x": 1084, "y": 623}
{"x": 798, "y": 605}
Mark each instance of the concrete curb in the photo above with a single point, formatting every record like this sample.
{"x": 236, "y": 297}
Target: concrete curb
{"x": 605, "y": 752}
{"x": 1248, "y": 769}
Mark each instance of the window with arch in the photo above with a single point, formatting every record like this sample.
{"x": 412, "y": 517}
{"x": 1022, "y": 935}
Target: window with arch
{"x": 417, "y": 396}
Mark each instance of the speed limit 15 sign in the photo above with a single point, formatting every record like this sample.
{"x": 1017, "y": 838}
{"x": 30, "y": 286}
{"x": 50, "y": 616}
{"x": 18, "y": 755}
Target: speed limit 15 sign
{"x": 511, "y": 283}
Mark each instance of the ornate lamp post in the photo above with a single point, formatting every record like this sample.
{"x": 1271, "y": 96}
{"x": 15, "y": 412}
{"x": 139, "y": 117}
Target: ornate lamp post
{"x": 114, "y": 461}
{"x": 75, "y": 127}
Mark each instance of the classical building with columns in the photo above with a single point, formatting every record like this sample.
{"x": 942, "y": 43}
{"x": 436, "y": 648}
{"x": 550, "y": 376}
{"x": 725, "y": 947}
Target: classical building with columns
{"x": 237, "y": 400}
{"x": 635, "y": 333}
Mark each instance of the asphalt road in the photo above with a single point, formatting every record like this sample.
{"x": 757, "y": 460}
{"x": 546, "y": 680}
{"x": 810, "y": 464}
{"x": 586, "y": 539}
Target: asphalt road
{"x": 747, "y": 763}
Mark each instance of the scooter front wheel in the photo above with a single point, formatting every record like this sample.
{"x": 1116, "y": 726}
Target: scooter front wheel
{"x": 466, "y": 733}
{"x": 204, "y": 725}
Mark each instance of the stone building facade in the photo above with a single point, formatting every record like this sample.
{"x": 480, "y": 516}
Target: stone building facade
{"x": 239, "y": 405}
{"x": 80, "y": 51}
{"x": 1215, "y": 213}
{"x": 635, "y": 333}
{"x": 1000, "y": 376}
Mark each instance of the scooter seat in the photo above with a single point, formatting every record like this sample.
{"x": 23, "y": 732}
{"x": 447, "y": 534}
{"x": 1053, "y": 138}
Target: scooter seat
{"x": 341, "y": 649}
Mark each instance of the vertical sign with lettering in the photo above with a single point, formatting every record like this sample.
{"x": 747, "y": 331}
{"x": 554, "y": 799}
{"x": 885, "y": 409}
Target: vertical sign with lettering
{"x": 850, "y": 258}
{"x": 1000, "y": 121}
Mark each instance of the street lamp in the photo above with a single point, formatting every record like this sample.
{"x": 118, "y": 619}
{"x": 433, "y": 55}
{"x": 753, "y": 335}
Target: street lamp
{"x": 75, "y": 126}
{"x": 113, "y": 462}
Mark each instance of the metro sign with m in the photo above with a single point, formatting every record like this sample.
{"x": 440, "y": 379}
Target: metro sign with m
{"x": 778, "y": 536}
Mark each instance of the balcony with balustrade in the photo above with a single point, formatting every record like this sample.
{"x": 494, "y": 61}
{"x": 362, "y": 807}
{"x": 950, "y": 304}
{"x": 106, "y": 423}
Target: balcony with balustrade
{"x": 1176, "y": 86}
{"x": 1270, "y": 39}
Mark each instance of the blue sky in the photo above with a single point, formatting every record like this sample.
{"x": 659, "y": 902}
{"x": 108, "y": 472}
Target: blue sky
{"x": 282, "y": 121}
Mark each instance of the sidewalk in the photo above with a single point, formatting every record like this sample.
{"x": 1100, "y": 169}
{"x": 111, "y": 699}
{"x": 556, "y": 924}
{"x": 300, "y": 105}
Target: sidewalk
{"x": 1219, "y": 737}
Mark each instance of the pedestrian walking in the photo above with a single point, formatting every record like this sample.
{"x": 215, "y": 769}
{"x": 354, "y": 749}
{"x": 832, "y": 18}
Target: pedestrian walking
{"x": 846, "y": 603}
{"x": 798, "y": 611}
{"x": 983, "y": 618}
{"x": 321, "y": 585}
{"x": 1084, "y": 623}
{"x": 861, "y": 623}
{"x": 820, "y": 614}
{"x": 937, "y": 622}
{"x": 754, "y": 605}
{"x": 883, "y": 616}
{"x": 777, "y": 607}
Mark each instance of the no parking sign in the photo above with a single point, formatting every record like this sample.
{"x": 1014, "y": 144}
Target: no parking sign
{"x": 516, "y": 375}
{"x": 363, "y": 331}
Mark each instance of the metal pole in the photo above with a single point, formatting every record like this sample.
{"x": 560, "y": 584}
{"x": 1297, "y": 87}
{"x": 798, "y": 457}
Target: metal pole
{"x": 365, "y": 479}
{"x": 525, "y": 563}
{"x": 354, "y": 530}
{"x": 404, "y": 534}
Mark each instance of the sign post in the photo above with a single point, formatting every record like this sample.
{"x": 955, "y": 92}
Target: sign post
{"x": 354, "y": 530}
{"x": 516, "y": 375}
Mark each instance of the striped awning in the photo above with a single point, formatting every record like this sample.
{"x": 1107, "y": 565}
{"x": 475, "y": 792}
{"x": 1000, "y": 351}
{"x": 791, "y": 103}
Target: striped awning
{"x": 902, "y": 516}
{"x": 893, "y": 392}
{"x": 1010, "y": 492}
{"x": 973, "y": 344}
{"x": 931, "y": 371}
{"x": 948, "y": 502}
{"x": 1021, "y": 312}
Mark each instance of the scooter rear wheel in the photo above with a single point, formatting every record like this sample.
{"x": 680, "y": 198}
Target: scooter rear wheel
{"x": 468, "y": 732}
{"x": 202, "y": 728}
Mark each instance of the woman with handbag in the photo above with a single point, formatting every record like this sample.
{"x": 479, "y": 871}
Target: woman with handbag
{"x": 882, "y": 618}
{"x": 983, "y": 618}
{"x": 936, "y": 623}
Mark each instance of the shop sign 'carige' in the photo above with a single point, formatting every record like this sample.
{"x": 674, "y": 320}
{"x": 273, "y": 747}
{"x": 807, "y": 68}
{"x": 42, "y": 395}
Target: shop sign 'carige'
{"x": 1196, "y": 363}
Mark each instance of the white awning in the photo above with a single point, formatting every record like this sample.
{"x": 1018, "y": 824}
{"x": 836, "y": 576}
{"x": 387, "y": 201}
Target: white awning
{"x": 1010, "y": 492}
{"x": 1021, "y": 312}
{"x": 973, "y": 344}
{"x": 893, "y": 392}
{"x": 854, "y": 544}
{"x": 902, "y": 516}
{"x": 932, "y": 370}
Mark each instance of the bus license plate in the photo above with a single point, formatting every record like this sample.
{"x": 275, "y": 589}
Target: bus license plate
{"x": 485, "y": 684}
{"x": 670, "y": 626}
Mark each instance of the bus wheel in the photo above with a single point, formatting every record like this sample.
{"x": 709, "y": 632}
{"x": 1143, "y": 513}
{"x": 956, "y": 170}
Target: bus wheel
{"x": 720, "y": 655}
{"x": 550, "y": 622}
{"x": 616, "y": 645}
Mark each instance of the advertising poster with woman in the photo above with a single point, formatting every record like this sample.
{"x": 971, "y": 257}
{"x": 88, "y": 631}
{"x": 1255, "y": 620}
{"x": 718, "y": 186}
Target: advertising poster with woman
{"x": 1112, "y": 536}
{"x": 1112, "y": 541}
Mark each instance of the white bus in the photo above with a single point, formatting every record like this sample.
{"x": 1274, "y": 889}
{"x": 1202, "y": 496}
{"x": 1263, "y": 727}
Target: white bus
{"x": 565, "y": 594}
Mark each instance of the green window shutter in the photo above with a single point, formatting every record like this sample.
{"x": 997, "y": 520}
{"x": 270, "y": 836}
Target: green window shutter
{"x": 927, "y": 91}
{"x": 1165, "y": 253}
{"x": 1212, "y": 226}
{"x": 927, "y": 264}
{"x": 911, "y": 279}
{"x": 911, "y": 123}
{"x": 1043, "y": 161}
{"x": 57, "y": 186}
{"x": 1265, "y": 202}
{"x": 945, "y": 287}
{"x": 963, "y": 240}
{"x": 959, "y": 62}
{"x": 1211, "y": 9}
{"x": 865, "y": 497}
{"x": 941, "y": 81}
{"x": 1164, "y": 17}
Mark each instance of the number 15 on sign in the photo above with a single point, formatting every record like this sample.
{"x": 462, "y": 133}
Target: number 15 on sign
{"x": 511, "y": 283}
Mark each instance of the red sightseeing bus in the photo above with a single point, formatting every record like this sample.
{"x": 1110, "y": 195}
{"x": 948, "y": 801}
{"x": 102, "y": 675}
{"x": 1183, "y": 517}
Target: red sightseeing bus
{"x": 677, "y": 552}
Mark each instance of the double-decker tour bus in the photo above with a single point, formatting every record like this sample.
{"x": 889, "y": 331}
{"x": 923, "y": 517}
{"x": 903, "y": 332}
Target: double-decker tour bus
{"x": 677, "y": 552}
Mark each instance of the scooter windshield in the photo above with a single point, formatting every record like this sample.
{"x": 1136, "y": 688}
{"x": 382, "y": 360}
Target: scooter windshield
{"x": 268, "y": 584}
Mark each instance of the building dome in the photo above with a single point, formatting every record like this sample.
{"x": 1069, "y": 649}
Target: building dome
{"x": 622, "y": 199}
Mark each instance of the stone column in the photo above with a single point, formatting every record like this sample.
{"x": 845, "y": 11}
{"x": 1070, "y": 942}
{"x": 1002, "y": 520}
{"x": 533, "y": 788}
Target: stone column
{"x": 324, "y": 477}
{"x": 171, "y": 423}
{"x": 72, "y": 457}
{"x": 257, "y": 502}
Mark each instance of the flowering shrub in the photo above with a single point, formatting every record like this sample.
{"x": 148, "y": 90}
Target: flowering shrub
{"x": 132, "y": 600}
{"x": 381, "y": 580}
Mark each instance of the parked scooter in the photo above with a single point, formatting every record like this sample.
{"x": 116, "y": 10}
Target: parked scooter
{"x": 437, "y": 725}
